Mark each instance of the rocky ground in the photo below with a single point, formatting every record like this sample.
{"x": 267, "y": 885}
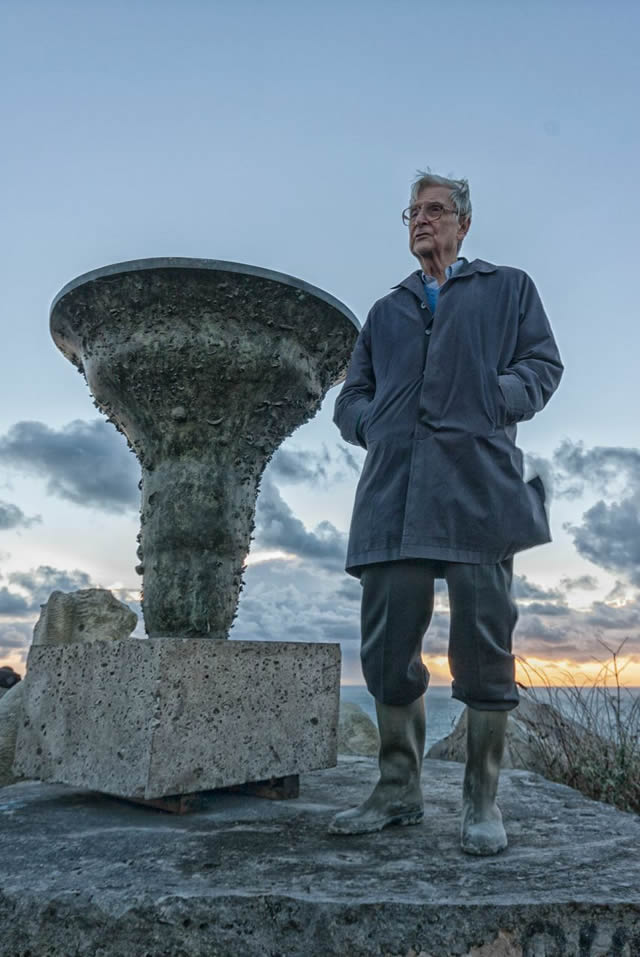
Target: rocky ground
{"x": 85, "y": 874}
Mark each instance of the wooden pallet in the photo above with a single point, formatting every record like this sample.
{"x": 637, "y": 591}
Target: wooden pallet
{"x": 274, "y": 789}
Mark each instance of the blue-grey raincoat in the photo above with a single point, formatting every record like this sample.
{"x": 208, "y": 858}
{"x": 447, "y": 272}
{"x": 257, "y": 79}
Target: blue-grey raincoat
{"x": 437, "y": 399}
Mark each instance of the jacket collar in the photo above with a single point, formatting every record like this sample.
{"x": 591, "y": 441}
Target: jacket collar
{"x": 414, "y": 283}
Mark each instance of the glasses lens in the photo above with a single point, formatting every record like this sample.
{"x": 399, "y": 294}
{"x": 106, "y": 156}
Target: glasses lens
{"x": 434, "y": 210}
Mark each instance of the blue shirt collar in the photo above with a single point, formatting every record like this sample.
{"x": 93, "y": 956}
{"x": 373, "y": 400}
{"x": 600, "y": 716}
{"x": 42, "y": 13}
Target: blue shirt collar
{"x": 449, "y": 272}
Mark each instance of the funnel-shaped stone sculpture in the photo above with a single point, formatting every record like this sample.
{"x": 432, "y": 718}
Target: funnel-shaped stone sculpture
{"x": 205, "y": 366}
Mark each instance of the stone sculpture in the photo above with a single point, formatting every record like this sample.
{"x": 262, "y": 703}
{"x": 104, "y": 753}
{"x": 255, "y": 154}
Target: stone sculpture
{"x": 90, "y": 614}
{"x": 206, "y": 367}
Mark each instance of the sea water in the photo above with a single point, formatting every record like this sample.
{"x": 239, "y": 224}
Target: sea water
{"x": 443, "y": 711}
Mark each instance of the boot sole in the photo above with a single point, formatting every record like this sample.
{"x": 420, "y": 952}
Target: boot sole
{"x": 397, "y": 820}
{"x": 486, "y": 851}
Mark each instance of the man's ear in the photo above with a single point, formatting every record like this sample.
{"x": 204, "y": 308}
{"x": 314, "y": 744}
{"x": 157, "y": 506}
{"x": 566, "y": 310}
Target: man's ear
{"x": 463, "y": 228}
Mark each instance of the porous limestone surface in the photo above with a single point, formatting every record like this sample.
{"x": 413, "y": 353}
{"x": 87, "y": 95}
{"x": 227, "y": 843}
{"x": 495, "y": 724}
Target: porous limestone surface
{"x": 85, "y": 874}
{"x": 90, "y": 614}
{"x": 206, "y": 367}
{"x": 148, "y": 718}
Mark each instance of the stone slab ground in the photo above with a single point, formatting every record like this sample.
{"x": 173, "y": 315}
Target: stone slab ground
{"x": 85, "y": 874}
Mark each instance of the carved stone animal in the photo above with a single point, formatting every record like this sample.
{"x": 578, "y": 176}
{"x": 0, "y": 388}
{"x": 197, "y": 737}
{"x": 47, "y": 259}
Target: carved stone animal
{"x": 91, "y": 614}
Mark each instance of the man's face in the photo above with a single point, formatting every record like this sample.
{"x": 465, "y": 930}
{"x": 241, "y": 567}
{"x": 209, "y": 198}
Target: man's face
{"x": 440, "y": 238}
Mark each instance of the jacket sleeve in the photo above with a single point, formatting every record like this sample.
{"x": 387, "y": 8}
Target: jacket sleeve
{"x": 535, "y": 370}
{"x": 358, "y": 389}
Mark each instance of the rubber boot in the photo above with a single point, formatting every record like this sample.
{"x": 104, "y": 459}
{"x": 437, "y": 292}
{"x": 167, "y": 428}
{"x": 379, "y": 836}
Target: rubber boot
{"x": 397, "y": 797}
{"x": 482, "y": 831}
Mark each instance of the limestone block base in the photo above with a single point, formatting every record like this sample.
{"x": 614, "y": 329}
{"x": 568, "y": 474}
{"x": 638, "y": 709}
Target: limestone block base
{"x": 166, "y": 716}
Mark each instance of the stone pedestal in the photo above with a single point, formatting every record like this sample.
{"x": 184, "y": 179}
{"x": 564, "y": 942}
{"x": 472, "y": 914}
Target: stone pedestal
{"x": 148, "y": 718}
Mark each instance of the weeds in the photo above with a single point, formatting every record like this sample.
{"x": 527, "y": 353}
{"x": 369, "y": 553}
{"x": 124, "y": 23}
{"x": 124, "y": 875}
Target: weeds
{"x": 591, "y": 738}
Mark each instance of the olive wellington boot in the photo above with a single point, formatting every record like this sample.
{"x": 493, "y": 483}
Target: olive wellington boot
{"x": 482, "y": 831}
{"x": 397, "y": 797}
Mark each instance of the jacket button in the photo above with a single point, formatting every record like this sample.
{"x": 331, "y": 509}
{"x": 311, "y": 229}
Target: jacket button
{"x": 427, "y": 332}
{"x": 423, "y": 305}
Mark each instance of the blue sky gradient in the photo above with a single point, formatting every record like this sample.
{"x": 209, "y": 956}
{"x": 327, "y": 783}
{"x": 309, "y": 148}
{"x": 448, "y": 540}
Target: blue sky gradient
{"x": 286, "y": 135}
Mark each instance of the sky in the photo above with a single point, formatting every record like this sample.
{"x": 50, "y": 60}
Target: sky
{"x": 286, "y": 135}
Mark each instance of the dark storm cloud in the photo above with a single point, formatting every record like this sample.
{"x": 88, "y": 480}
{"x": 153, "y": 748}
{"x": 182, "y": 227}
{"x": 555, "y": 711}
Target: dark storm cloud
{"x": 609, "y": 533}
{"x": 278, "y": 527}
{"x": 13, "y": 517}
{"x": 586, "y": 582}
{"x": 87, "y": 463}
{"x": 609, "y": 536}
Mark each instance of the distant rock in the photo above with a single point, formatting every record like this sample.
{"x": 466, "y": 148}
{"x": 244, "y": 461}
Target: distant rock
{"x": 538, "y": 738}
{"x": 357, "y": 734}
{"x": 8, "y": 678}
{"x": 11, "y": 712}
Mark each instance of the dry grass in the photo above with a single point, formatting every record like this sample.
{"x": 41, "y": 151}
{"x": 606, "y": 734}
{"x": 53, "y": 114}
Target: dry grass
{"x": 598, "y": 750}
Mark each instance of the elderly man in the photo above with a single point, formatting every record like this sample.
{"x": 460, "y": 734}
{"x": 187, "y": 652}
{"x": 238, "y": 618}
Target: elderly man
{"x": 444, "y": 368}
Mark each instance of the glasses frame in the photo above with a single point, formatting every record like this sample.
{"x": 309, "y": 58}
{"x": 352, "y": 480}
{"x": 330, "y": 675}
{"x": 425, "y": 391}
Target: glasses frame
{"x": 431, "y": 219}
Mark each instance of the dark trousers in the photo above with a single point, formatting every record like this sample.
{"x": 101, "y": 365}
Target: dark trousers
{"x": 397, "y": 605}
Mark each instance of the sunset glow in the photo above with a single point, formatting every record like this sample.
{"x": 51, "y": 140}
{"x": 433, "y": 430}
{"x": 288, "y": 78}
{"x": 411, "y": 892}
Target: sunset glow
{"x": 534, "y": 671}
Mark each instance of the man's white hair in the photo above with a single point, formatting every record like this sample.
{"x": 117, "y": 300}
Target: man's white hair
{"x": 459, "y": 190}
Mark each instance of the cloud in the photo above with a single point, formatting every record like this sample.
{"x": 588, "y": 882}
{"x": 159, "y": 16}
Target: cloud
{"x": 609, "y": 532}
{"x": 38, "y": 583}
{"x": 349, "y": 458}
{"x": 296, "y": 601}
{"x": 292, "y": 466}
{"x": 523, "y": 588}
{"x": 15, "y": 637}
{"x": 87, "y": 463}
{"x": 278, "y": 527}
{"x": 609, "y": 536}
{"x": 538, "y": 465}
{"x": 609, "y": 470}
{"x": 546, "y": 609}
{"x": 13, "y": 517}
{"x": 617, "y": 593}
{"x": 13, "y": 604}
{"x": 583, "y": 582}
{"x": 607, "y": 616}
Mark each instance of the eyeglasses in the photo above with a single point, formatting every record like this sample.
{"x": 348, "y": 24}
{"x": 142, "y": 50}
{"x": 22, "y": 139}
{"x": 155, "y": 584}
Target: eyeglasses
{"x": 432, "y": 212}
